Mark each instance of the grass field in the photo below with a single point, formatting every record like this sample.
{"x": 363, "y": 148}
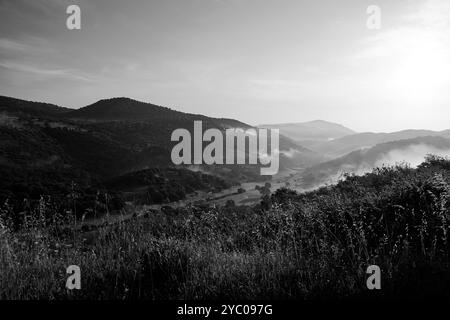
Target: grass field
{"x": 315, "y": 245}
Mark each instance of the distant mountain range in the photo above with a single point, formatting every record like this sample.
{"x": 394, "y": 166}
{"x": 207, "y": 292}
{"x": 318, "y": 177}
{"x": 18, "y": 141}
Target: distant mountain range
{"x": 317, "y": 130}
{"x": 341, "y": 146}
{"x": 333, "y": 140}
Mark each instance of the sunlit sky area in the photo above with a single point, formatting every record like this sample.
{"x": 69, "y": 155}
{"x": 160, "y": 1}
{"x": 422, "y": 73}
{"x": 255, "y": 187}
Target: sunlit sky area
{"x": 259, "y": 61}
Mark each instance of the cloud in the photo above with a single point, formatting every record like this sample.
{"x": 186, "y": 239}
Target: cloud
{"x": 6, "y": 44}
{"x": 25, "y": 55}
{"x": 65, "y": 73}
{"x": 29, "y": 46}
{"x": 290, "y": 153}
{"x": 434, "y": 13}
{"x": 412, "y": 155}
{"x": 40, "y": 7}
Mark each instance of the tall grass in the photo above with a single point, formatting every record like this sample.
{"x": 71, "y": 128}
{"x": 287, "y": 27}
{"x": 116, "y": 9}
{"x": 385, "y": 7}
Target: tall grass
{"x": 292, "y": 246}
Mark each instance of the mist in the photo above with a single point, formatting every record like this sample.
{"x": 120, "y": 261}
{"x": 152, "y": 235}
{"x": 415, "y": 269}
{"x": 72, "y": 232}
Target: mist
{"x": 364, "y": 162}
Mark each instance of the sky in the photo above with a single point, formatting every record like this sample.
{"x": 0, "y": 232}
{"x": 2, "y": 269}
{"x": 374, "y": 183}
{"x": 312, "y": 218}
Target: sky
{"x": 259, "y": 61}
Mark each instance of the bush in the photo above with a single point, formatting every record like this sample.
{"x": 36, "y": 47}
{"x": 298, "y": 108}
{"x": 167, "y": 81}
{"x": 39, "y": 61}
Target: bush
{"x": 291, "y": 246}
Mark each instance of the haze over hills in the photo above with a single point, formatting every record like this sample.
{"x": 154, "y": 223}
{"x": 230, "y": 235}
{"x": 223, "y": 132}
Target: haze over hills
{"x": 341, "y": 146}
{"x": 333, "y": 140}
{"x": 409, "y": 151}
{"x": 317, "y": 130}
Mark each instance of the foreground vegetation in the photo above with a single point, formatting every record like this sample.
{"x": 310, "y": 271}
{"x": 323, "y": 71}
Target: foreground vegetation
{"x": 291, "y": 246}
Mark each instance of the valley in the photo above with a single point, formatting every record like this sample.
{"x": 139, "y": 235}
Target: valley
{"x": 120, "y": 149}
{"x": 245, "y": 194}
{"x": 97, "y": 185}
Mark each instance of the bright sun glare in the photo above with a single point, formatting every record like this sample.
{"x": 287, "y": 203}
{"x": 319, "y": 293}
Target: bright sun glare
{"x": 422, "y": 67}
{"x": 417, "y": 54}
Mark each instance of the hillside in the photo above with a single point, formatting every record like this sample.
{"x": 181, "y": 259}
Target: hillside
{"x": 129, "y": 110}
{"x": 114, "y": 136}
{"x": 309, "y": 246}
{"x": 144, "y": 125}
{"x": 317, "y": 130}
{"x": 341, "y": 146}
{"x": 411, "y": 151}
{"x": 108, "y": 139}
{"x": 23, "y": 107}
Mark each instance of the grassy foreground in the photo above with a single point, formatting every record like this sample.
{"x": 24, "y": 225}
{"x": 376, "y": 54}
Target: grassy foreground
{"x": 292, "y": 246}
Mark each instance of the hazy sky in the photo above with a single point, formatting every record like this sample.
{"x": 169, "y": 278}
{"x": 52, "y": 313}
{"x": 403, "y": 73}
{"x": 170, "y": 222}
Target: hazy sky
{"x": 259, "y": 61}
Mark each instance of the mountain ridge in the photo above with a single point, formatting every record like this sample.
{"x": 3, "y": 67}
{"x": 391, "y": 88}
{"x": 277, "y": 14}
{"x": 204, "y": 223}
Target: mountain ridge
{"x": 412, "y": 151}
{"x": 15, "y": 105}
{"x": 320, "y": 130}
{"x": 341, "y": 146}
{"x": 112, "y": 137}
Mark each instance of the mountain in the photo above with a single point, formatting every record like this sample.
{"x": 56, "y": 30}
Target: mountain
{"x": 23, "y": 107}
{"x": 411, "y": 151}
{"x": 129, "y": 110}
{"x": 107, "y": 139}
{"x": 341, "y": 146}
{"x": 144, "y": 126}
{"x": 317, "y": 130}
